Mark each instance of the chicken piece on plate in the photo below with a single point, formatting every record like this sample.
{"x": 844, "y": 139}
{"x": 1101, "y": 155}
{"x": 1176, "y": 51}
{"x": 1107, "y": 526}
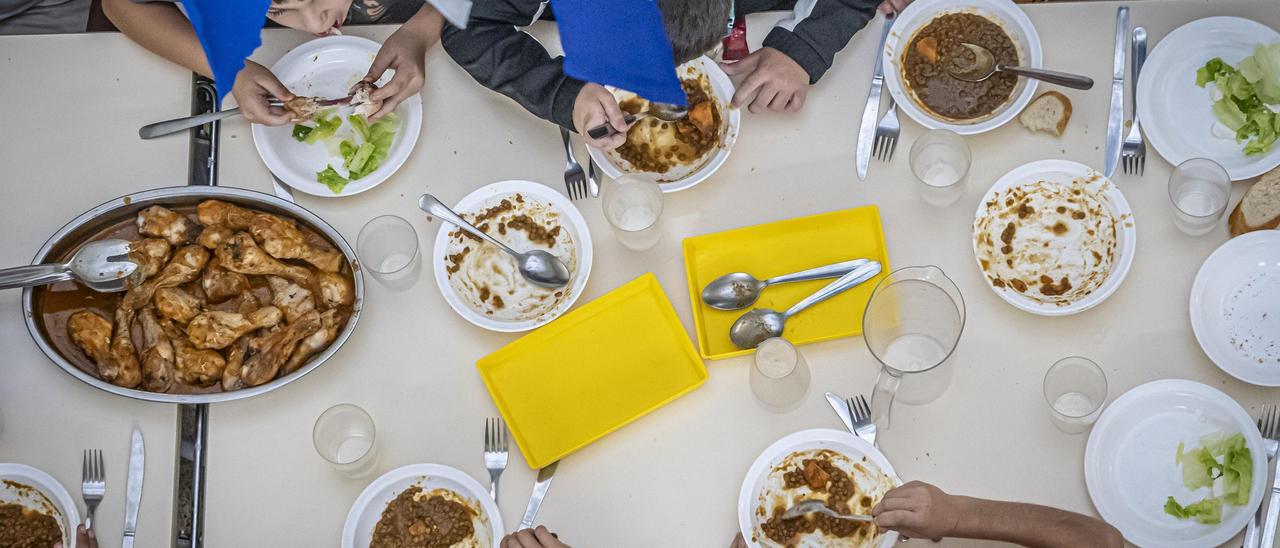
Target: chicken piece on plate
{"x": 160, "y": 222}
{"x": 278, "y": 236}
{"x": 220, "y": 284}
{"x": 128, "y": 371}
{"x": 335, "y": 290}
{"x": 330, "y": 321}
{"x": 177, "y": 304}
{"x": 244, "y": 304}
{"x": 362, "y": 99}
{"x": 269, "y": 352}
{"x": 241, "y": 254}
{"x": 151, "y": 254}
{"x": 292, "y": 298}
{"x": 157, "y": 353}
{"x": 217, "y": 330}
{"x": 302, "y": 108}
{"x": 184, "y": 267}
{"x": 92, "y": 333}
{"x": 213, "y": 236}
{"x": 195, "y": 367}
{"x": 235, "y": 361}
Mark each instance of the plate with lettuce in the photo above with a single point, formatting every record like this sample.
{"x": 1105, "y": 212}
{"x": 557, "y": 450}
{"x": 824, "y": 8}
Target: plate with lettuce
{"x": 1177, "y": 464}
{"x": 339, "y": 151}
{"x": 1211, "y": 89}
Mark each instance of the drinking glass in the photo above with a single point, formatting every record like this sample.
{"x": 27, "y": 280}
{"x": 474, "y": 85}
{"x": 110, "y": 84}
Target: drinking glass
{"x": 633, "y": 207}
{"x": 1199, "y": 190}
{"x": 344, "y": 435}
{"x": 388, "y": 248}
{"x": 779, "y": 377}
{"x": 940, "y": 161}
{"x": 1075, "y": 389}
{"x": 912, "y": 325}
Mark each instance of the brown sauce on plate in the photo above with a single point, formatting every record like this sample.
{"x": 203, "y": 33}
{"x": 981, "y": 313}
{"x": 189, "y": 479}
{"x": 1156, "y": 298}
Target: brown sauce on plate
{"x": 691, "y": 142}
{"x": 22, "y": 527}
{"x": 417, "y": 520}
{"x": 935, "y": 45}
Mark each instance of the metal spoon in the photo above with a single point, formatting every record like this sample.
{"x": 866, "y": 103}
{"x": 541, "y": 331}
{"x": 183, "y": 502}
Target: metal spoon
{"x": 103, "y": 266}
{"x": 537, "y": 266}
{"x": 812, "y": 506}
{"x": 762, "y": 323}
{"x": 740, "y": 290}
{"x": 984, "y": 65}
{"x": 661, "y": 111}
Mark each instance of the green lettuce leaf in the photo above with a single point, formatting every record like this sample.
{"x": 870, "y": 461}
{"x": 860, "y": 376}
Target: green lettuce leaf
{"x": 332, "y": 179}
{"x": 1207, "y": 511}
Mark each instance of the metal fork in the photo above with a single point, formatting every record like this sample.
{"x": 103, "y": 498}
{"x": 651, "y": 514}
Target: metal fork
{"x": 93, "y": 484}
{"x": 887, "y": 133}
{"x": 495, "y": 452}
{"x": 1269, "y": 426}
{"x": 575, "y": 180}
{"x": 862, "y": 424}
{"x": 1133, "y": 151}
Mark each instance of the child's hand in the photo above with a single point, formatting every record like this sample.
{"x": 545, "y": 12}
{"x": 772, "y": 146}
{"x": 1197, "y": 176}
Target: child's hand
{"x": 919, "y": 510}
{"x": 533, "y": 538}
{"x": 254, "y": 86}
{"x": 893, "y": 6}
{"x": 595, "y": 106}
{"x": 404, "y": 52}
{"x": 767, "y": 79}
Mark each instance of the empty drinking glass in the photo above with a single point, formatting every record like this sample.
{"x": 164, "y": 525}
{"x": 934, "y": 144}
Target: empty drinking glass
{"x": 940, "y": 161}
{"x": 388, "y": 249}
{"x": 1199, "y": 190}
{"x": 344, "y": 435}
{"x": 779, "y": 377}
{"x": 633, "y": 207}
{"x": 1075, "y": 389}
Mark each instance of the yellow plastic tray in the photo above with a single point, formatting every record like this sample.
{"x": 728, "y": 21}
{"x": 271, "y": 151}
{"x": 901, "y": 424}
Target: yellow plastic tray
{"x": 779, "y": 248}
{"x": 592, "y": 371}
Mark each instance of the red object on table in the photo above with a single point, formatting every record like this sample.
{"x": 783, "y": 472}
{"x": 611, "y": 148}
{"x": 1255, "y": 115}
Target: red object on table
{"x": 735, "y": 44}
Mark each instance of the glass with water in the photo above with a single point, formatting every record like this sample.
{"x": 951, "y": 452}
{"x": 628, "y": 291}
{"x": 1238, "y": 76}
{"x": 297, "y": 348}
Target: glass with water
{"x": 940, "y": 161}
{"x": 1075, "y": 389}
{"x": 344, "y": 436}
{"x": 633, "y": 207}
{"x": 1199, "y": 189}
{"x": 779, "y": 377}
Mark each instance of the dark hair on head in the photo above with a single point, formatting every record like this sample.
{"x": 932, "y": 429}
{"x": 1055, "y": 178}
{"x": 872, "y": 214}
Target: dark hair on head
{"x": 694, "y": 26}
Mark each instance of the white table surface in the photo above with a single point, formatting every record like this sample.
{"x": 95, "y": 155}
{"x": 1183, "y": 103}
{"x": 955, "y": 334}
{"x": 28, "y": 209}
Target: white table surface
{"x": 671, "y": 478}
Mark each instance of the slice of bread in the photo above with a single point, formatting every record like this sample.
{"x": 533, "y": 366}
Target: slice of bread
{"x": 1259, "y": 209}
{"x": 1049, "y": 113}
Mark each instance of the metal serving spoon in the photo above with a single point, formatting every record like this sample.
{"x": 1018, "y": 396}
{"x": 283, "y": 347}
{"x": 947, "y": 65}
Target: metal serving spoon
{"x": 661, "y": 111}
{"x": 537, "y": 266}
{"x": 811, "y": 506}
{"x": 740, "y": 290}
{"x": 762, "y": 323}
{"x": 103, "y": 266}
{"x": 984, "y": 65}
{"x": 160, "y": 129}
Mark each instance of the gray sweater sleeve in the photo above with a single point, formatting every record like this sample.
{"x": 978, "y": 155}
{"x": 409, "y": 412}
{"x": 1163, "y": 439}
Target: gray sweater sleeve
{"x": 505, "y": 59}
{"x": 818, "y": 29}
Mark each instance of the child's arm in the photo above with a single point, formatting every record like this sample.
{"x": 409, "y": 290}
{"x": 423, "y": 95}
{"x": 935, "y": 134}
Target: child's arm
{"x": 814, "y": 38}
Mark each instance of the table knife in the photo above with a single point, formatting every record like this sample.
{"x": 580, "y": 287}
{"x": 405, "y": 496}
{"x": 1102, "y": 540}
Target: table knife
{"x": 871, "y": 113}
{"x": 545, "y": 475}
{"x": 133, "y": 490}
{"x": 1115, "y": 120}
{"x": 842, "y": 410}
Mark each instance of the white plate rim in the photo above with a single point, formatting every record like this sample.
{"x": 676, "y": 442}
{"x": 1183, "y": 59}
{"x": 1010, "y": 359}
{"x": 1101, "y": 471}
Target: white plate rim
{"x": 805, "y": 439}
{"x": 1197, "y": 308}
{"x": 52, "y": 489}
{"x": 365, "y": 500}
{"x": 1152, "y": 389}
{"x": 582, "y": 240}
{"x": 921, "y": 9}
{"x": 1154, "y": 126}
{"x": 719, "y": 82}
{"x": 1115, "y": 201}
{"x": 410, "y": 132}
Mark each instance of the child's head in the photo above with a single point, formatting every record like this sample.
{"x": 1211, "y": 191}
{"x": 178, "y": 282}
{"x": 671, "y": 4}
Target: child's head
{"x": 319, "y": 17}
{"x": 694, "y": 26}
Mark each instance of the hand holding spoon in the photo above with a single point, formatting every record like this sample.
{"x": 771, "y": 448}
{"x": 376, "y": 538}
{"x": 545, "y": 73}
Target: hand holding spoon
{"x": 761, "y": 323}
{"x": 661, "y": 111}
{"x": 537, "y": 266}
{"x": 740, "y": 290}
{"x": 984, "y": 65}
{"x": 103, "y": 266}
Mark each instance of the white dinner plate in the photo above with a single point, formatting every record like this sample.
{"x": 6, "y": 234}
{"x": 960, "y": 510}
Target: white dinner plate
{"x": 682, "y": 177}
{"x": 367, "y": 509}
{"x": 46, "y": 496}
{"x": 1177, "y": 114}
{"x": 1235, "y": 307}
{"x": 328, "y": 67}
{"x": 576, "y": 225}
{"x": 1064, "y": 172}
{"x": 818, "y": 438}
{"x": 1130, "y": 465}
{"x": 919, "y": 13}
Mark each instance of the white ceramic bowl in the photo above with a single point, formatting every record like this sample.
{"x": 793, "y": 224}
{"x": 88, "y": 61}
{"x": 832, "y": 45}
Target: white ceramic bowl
{"x": 328, "y": 67}
{"x": 1235, "y": 307}
{"x": 368, "y": 507}
{"x": 48, "y": 497}
{"x": 1064, "y": 172}
{"x": 682, "y": 177}
{"x": 576, "y": 225}
{"x": 920, "y": 13}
